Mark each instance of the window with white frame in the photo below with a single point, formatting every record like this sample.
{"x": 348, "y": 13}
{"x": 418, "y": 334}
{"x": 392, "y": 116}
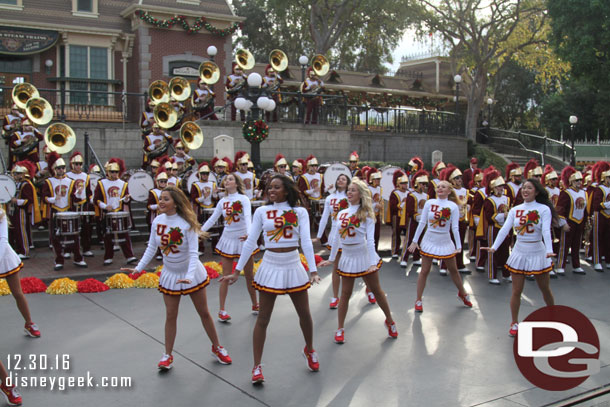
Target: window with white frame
{"x": 88, "y": 63}
{"x": 85, "y": 8}
{"x": 11, "y": 4}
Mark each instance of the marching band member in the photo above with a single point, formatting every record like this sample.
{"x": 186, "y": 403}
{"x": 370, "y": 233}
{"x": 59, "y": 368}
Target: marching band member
{"x": 83, "y": 194}
{"x": 355, "y": 236}
{"x": 203, "y": 101}
{"x": 202, "y": 192}
{"x": 572, "y": 208}
{"x": 237, "y": 216}
{"x": 241, "y": 161}
{"x": 415, "y": 165}
{"x": 310, "y": 185}
{"x": 152, "y": 203}
{"x": 12, "y": 123}
{"x": 495, "y": 209}
{"x": 436, "y": 173}
{"x": 373, "y": 177}
{"x": 180, "y": 109}
{"x": 550, "y": 180}
{"x": 154, "y": 167}
{"x": 221, "y": 169}
{"x": 468, "y": 173}
{"x": 181, "y": 157}
{"x": 513, "y": 175}
{"x": 154, "y": 141}
{"x": 272, "y": 82}
{"x": 439, "y": 216}
{"x": 454, "y": 176}
{"x": 531, "y": 221}
{"x": 23, "y": 136}
{"x": 297, "y": 169}
{"x": 410, "y": 214}
{"x": 10, "y": 265}
{"x": 477, "y": 210}
{"x": 174, "y": 180}
{"x": 600, "y": 206}
{"x": 24, "y": 209}
{"x": 473, "y": 187}
{"x": 354, "y": 158}
{"x": 334, "y": 203}
{"x": 175, "y": 232}
{"x": 283, "y": 224}
{"x": 281, "y": 165}
{"x": 311, "y": 88}
{"x": 397, "y": 198}
{"x": 531, "y": 170}
{"x": 60, "y": 195}
{"x": 112, "y": 195}
{"x": 147, "y": 119}
{"x": 234, "y": 83}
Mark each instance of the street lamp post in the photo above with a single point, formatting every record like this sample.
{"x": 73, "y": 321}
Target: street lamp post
{"x": 457, "y": 79}
{"x": 303, "y": 61}
{"x": 573, "y": 121}
{"x": 252, "y": 99}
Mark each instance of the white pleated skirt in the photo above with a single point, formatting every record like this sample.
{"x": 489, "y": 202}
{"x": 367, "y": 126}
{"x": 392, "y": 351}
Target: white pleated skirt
{"x": 281, "y": 273}
{"x": 437, "y": 245}
{"x": 229, "y": 245}
{"x": 355, "y": 261}
{"x": 529, "y": 258}
{"x": 173, "y": 272}
{"x": 10, "y": 263}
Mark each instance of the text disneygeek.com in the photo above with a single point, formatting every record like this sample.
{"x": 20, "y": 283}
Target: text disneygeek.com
{"x": 19, "y": 365}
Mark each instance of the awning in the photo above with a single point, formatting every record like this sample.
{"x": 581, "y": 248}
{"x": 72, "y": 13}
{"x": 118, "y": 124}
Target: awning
{"x": 25, "y": 41}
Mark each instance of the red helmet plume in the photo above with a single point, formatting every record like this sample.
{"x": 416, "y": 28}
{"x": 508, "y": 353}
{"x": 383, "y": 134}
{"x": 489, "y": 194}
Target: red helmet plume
{"x": 475, "y": 173}
{"x": 566, "y": 173}
{"x": 488, "y": 177}
{"x": 417, "y": 163}
{"x": 29, "y": 166}
{"x": 397, "y": 174}
{"x": 369, "y": 173}
{"x": 510, "y": 167}
{"x": 438, "y": 167}
{"x": 530, "y": 165}
{"x": 598, "y": 168}
{"x": 239, "y": 155}
{"x": 120, "y": 163}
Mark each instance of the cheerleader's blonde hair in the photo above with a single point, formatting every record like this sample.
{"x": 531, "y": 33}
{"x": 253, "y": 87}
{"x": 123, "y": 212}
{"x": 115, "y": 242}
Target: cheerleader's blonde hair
{"x": 453, "y": 195}
{"x": 366, "y": 200}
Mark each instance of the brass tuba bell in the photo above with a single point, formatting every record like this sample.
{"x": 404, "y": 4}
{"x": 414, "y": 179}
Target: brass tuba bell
{"x": 191, "y": 135}
{"x": 209, "y": 72}
{"x": 244, "y": 59}
{"x": 23, "y": 92}
{"x": 320, "y": 65}
{"x": 278, "y": 60}
{"x": 60, "y": 138}
{"x": 158, "y": 92}
{"x": 165, "y": 115}
{"x": 180, "y": 88}
{"x": 39, "y": 111}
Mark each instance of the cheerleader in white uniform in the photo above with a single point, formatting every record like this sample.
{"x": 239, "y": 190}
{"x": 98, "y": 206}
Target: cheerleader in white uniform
{"x": 237, "y": 216}
{"x": 440, "y": 215}
{"x": 284, "y": 224}
{"x": 356, "y": 237}
{"x": 175, "y": 232}
{"x": 10, "y": 264}
{"x": 334, "y": 203}
{"x": 530, "y": 256}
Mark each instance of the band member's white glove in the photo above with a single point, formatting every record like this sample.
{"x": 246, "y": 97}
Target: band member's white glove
{"x": 51, "y": 199}
{"x": 103, "y": 205}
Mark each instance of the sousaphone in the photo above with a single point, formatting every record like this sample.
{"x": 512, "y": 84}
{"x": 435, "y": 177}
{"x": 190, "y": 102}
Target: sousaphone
{"x": 165, "y": 115}
{"x": 179, "y": 88}
{"x": 23, "y": 92}
{"x": 244, "y": 59}
{"x": 39, "y": 111}
{"x": 60, "y": 138}
{"x": 191, "y": 135}
{"x": 158, "y": 91}
{"x": 278, "y": 60}
{"x": 209, "y": 72}
{"x": 320, "y": 65}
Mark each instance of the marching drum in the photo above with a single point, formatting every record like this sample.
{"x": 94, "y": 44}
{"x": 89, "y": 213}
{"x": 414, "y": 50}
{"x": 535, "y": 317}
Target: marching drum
{"x": 387, "y": 181}
{"x": 67, "y": 223}
{"x": 8, "y": 188}
{"x": 332, "y": 173}
{"x": 87, "y": 217}
{"x": 217, "y": 228}
{"x": 117, "y": 222}
{"x": 139, "y": 183}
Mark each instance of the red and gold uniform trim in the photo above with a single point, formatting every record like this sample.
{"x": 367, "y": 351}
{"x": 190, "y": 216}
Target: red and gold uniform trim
{"x": 281, "y": 291}
{"x": 233, "y": 256}
{"x": 512, "y": 270}
{"x": 187, "y": 291}
{"x": 11, "y": 272}
{"x": 364, "y": 273}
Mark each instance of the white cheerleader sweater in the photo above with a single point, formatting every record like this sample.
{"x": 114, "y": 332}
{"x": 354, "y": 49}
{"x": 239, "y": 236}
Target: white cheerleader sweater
{"x": 282, "y": 226}
{"x": 440, "y": 216}
{"x": 332, "y": 203}
{"x": 236, "y": 212}
{"x": 532, "y": 223}
{"x": 351, "y": 231}
{"x": 177, "y": 241}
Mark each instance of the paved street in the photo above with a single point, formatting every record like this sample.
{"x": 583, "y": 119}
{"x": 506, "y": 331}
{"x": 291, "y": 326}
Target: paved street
{"x": 447, "y": 356}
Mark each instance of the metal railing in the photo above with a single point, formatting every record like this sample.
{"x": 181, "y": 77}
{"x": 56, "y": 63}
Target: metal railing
{"x": 404, "y": 121}
{"x": 531, "y": 144}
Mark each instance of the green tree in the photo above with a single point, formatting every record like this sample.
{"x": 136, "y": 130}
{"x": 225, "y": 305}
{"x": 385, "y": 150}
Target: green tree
{"x": 353, "y": 34}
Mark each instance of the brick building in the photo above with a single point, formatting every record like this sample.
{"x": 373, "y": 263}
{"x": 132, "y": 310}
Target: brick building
{"x": 84, "y": 46}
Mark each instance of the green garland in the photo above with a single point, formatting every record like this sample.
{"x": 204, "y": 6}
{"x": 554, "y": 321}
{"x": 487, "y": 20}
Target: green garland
{"x": 255, "y": 131}
{"x": 200, "y": 22}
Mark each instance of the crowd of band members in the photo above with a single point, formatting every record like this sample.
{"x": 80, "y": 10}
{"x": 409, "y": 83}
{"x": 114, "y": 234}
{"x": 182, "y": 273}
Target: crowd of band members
{"x": 50, "y": 185}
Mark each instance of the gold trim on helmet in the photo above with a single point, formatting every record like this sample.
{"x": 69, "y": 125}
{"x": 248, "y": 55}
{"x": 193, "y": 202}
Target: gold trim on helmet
{"x": 244, "y": 159}
{"x": 312, "y": 161}
{"x": 478, "y": 177}
{"x": 497, "y": 182}
{"x": 375, "y": 175}
{"x": 77, "y": 159}
{"x": 535, "y": 172}
{"x": 281, "y": 161}
{"x": 605, "y": 174}
{"x": 295, "y": 163}
{"x": 174, "y": 166}
{"x": 455, "y": 173}
{"x": 155, "y": 163}
{"x": 221, "y": 163}
{"x": 204, "y": 168}
{"x": 515, "y": 171}
{"x": 440, "y": 166}
{"x": 112, "y": 167}
{"x": 353, "y": 157}
{"x": 402, "y": 180}
{"x": 422, "y": 179}
{"x": 551, "y": 175}
{"x": 162, "y": 176}
{"x": 19, "y": 169}
{"x": 60, "y": 161}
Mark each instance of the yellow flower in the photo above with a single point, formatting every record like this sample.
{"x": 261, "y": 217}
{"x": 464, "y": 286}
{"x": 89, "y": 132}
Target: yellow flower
{"x": 62, "y": 286}
{"x": 147, "y": 280}
{"x": 4, "y": 290}
{"x": 119, "y": 280}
